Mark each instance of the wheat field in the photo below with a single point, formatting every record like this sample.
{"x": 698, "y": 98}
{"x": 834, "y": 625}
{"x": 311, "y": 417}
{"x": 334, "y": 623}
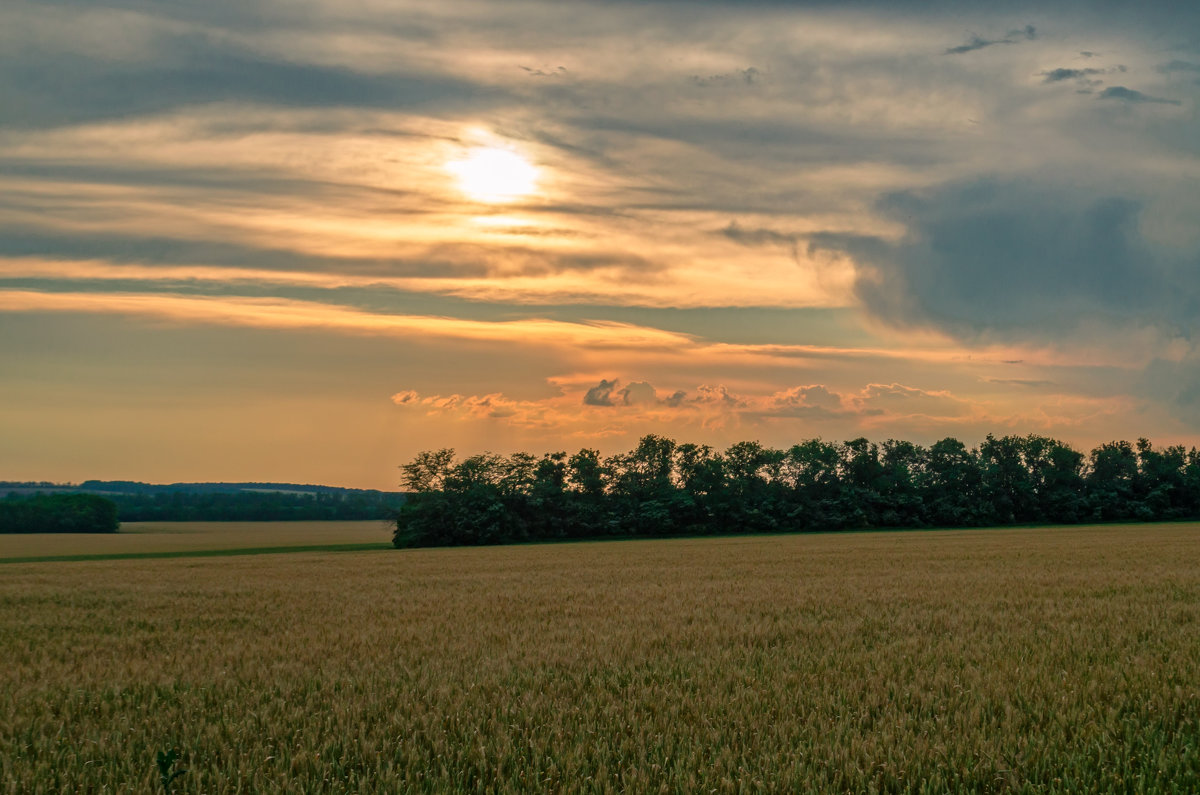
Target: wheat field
{"x": 1034, "y": 660}
{"x": 177, "y": 538}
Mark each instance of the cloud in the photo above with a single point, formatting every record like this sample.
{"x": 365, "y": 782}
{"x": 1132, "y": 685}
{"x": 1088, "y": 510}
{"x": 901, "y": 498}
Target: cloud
{"x": 1016, "y": 259}
{"x": 782, "y": 417}
{"x": 717, "y": 395}
{"x": 1134, "y": 97}
{"x": 639, "y": 393}
{"x": 898, "y": 400}
{"x": 1035, "y": 383}
{"x": 601, "y": 394}
{"x": 761, "y": 236}
{"x": 280, "y": 313}
{"x": 560, "y": 71}
{"x": 812, "y": 401}
{"x": 1179, "y": 66}
{"x": 281, "y": 167}
{"x": 493, "y": 406}
{"x": 636, "y": 394}
{"x": 200, "y": 70}
{"x": 1028, "y": 33}
{"x": 1058, "y": 75}
{"x": 748, "y": 77}
{"x": 675, "y": 399}
{"x": 713, "y": 406}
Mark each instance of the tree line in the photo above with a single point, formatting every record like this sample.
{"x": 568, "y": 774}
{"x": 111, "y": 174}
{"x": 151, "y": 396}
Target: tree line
{"x": 254, "y": 506}
{"x": 664, "y": 488}
{"x": 58, "y": 513}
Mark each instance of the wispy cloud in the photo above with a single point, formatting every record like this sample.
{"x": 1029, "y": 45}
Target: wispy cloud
{"x": 1131, "y": 96}
{"x": 976, "y": 42}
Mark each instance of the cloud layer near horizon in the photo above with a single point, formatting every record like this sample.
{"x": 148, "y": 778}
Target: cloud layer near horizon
{"x": 752, "y": 220}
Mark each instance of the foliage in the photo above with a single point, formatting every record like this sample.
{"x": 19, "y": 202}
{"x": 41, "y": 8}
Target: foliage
{"x": 662, "y": 488}
{"x": 58, "y": 513}
{"x": 253, "y": 506}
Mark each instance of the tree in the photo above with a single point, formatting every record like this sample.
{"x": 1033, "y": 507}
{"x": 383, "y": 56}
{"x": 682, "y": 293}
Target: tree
{"x": 58, "y": 513}
{"x": 1056, "y": 471}
{"x": 1008, "y": 487}
{"x": 751, "y": 471}
{"x": 700, "y": 474}
{"x": 812, "y": 472}
{"x": 644, "y": 495}
{"x": 950, "y": 483}
{"x": 900, "y": 500}
{"x": 1112, "y": 472}
{"x": 861, "y": 475}
{"x": 662, "y": 488}
{"x": 428, "y": 470}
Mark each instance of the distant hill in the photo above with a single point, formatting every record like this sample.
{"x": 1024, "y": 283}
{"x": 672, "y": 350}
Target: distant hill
{"x": 138, "y": 502}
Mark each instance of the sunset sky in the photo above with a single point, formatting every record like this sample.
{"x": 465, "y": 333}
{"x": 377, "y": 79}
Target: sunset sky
{"x": 302, "y": 240}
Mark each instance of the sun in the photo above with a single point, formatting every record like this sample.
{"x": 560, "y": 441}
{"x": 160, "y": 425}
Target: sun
{"x": 494, "y": 175}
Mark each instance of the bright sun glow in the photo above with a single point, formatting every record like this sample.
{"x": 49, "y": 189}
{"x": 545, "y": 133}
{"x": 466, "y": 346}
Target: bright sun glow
{"x": 491, "y": 174}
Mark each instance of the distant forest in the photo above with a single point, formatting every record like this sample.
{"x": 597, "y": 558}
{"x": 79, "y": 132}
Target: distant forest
{"x": 224, "y": 502}
{"x": 252, "y": 506}
{"x": 58, "y": 513}
{"x": 662, "y": 488}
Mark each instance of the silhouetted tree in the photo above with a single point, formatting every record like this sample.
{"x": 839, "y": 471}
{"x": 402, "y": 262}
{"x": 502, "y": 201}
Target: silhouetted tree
{"x": 951, "y": 485}
{"x": 1112, "y": 472}
{"x": 662, "y": 488}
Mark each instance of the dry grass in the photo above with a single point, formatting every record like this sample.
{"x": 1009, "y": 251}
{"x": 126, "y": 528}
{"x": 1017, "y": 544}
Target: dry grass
{"x": 182, "y": 537}
{"x": 1063, "y": 660}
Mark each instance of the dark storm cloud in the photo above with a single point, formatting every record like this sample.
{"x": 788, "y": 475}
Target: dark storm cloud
{"x": 1134, "y": 97}
{"x": 1028, "y": 33}
{"x": 1017, "y": 260}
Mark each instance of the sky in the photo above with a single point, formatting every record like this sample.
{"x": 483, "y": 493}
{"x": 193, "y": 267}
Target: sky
{"x": 304, "y": 240}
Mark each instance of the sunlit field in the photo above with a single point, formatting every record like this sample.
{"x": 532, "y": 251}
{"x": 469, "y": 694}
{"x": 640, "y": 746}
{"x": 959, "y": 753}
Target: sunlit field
{"x": 137, "y": 538}
{"x": 1038, "y": 660}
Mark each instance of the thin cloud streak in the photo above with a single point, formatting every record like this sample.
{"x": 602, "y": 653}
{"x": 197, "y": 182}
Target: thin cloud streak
{"x": 290, "y": 314}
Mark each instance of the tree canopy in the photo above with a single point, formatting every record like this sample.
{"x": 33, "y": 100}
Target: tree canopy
{"x": 663, "y": 488}
{"x": 58, "y": 513}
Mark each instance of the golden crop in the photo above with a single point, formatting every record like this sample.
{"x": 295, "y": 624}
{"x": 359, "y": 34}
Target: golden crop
{"x": 1040, "y": 660}
{"x": 182, "y": 537}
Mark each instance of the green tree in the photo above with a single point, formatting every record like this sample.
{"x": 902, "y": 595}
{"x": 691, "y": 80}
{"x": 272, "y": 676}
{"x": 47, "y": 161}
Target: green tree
{"x": 950, "y": 483}
{"x": 1112, "y": 473}
{"x": 1008, "y": 487}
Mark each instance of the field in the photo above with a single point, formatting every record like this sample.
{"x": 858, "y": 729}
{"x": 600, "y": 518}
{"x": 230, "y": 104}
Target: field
{"x": 195, "y": 538}
{"x": 1034, "y": 660}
